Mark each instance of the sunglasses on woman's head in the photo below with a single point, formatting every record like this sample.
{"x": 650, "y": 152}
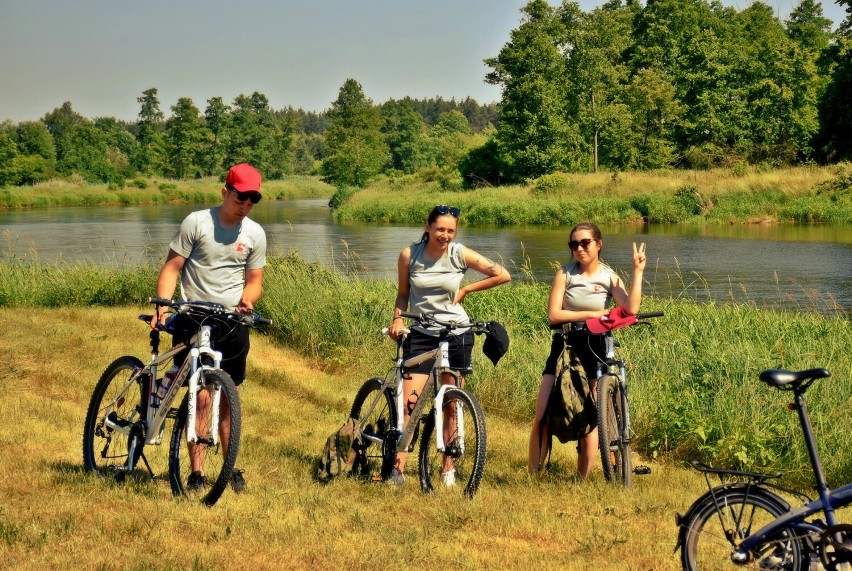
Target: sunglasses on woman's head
{"x": 443, "y": 209}
{"x": 252, "y": 195}
{"x": 585, "y": 243}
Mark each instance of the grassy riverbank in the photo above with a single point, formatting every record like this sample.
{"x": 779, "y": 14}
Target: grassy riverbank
{"x": 150, "y": 191}
{"x": 54, "y": 516}
{"x": 693, "y": 373}
{"x": 803, "y": 194}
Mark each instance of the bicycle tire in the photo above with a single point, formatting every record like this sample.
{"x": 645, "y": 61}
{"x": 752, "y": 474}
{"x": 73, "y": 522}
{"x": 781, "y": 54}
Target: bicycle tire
{"x": 217, "y": 463}
{"x": 465, "y": 451}
{"x": 613, "y": 439}
{"x": 376, "y": 459}
{"x": 106, "y": 451}
{"x": 709, "y": 532}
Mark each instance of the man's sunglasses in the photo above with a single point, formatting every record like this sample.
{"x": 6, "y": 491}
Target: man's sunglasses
{"x": 443, "y": 209}
{"x": 252, "y": 195}
{"x": 585, "y": 242}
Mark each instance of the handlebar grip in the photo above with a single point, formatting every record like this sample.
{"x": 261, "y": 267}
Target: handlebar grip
{"x": 159, "y": 301}
{"x": 650, "y": 314}
{"x": 415, "y": 316}
{"x": 260, "y": 320}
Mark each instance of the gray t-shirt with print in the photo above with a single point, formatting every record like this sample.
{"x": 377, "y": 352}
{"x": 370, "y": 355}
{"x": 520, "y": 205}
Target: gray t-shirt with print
{"x": 217, "y": 257}
{"x": 587, "y": 294}
{"x": 434, "y": 285}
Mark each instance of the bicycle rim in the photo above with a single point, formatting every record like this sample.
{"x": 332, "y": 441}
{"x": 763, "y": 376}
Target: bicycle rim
{"x": 214, "y": 460}
{"x": 711, "y": 533}
{"x": 465, "y": 447}
{"x": 376, "y": 416}
{"x": 106, "y": 450}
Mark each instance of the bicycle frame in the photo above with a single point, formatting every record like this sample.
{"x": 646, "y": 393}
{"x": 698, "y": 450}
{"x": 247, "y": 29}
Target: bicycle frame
{"x": 616, "y": 367}
{"x": 156, "y": 410}
{"x": 395, "y": 380}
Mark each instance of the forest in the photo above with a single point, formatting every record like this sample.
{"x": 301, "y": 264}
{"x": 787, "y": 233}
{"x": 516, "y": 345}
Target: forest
{"x": 669, "y": 84}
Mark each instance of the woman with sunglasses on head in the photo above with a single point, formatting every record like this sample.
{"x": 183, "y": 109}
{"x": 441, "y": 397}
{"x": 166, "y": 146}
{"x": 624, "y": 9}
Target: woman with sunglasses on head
{"x": 582, "y": 289}
{"x": 430, "y": 273}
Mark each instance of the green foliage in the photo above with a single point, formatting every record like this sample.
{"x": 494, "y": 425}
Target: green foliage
{"x": 552, "y": 185}
{"x": 355, "y": 147}
{"x": 341, "y": 195}
{"x": 482, "y": 166}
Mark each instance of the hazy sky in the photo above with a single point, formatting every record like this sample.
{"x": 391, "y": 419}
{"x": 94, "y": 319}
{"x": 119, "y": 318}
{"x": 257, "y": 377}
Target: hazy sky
{"x": 102, "y": 54}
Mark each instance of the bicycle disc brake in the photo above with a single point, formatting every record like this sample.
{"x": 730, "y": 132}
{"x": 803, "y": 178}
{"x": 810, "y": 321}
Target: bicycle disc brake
{"x": 835, "y": 546}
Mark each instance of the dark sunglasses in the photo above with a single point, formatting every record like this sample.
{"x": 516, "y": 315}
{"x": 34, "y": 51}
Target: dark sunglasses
{"x": 443, "y": 209}
{"x": 252, "y": 195}
{"x": 585, "y": 242}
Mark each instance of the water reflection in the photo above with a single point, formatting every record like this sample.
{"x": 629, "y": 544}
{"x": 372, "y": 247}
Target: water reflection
{"x": 798, "y": 266}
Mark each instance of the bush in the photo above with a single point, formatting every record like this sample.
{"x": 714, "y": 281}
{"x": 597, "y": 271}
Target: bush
{"x": 341, "y": 195}
{"x": 552, "y": 185}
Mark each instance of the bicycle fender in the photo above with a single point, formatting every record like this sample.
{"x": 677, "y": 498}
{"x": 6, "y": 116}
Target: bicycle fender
{"x": 685, "y": 521}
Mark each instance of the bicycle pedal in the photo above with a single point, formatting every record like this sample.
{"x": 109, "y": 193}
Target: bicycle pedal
{"x": 642, "y": 470}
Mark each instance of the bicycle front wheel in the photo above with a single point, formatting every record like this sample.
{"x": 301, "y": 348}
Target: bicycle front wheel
{"x": 202, "y": 470}
{"x": 461, "y": 464}
{"x": 374, "y": 409}
{"x": 613, "y": 438}
{"x": 114, "y": 420}
{"x": 712, "y": 533}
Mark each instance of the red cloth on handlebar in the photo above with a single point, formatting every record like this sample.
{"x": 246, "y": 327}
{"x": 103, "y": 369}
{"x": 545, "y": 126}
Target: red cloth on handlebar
{"x": 615, "y": 319}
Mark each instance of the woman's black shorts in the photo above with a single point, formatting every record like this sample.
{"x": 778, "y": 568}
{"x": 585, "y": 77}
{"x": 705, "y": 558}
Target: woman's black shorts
{"x": 591, "y": 350}
{"x": 461, "y": 348}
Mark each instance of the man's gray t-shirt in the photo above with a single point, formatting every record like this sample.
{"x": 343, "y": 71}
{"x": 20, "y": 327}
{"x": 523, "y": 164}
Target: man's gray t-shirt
{"x": 434, "y": 285}
{"x": 217, "y": 257}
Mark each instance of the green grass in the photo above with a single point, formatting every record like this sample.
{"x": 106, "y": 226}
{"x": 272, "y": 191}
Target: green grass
{"x": 803, "y": 194}
{"x": 76, "y": 192}
{"x": 693, "y": 373}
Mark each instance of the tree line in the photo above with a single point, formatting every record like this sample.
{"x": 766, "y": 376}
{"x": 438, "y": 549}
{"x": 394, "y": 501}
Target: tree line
{"x": 671, "y": 84}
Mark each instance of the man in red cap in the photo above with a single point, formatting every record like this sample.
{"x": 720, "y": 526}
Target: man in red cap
{"x": 219, "y": 255}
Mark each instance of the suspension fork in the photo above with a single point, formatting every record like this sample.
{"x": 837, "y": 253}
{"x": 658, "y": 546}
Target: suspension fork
{"x": 196, "y": 372}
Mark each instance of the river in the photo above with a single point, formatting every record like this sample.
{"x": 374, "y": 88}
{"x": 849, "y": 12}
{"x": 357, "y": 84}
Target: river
{"x": 805, "y": 267}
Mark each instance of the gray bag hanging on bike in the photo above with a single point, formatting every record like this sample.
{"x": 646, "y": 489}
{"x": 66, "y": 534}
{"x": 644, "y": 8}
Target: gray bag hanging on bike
{"x": 342, "y": 451}
{"x": 571, "y": 411}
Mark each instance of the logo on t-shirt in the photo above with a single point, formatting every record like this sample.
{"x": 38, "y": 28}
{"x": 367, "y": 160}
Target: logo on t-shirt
{"x": 240, "y": 247}
{"x": 598, "y": 288}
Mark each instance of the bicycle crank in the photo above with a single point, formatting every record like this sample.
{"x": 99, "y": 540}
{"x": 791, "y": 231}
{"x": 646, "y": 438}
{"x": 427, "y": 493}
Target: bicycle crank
{"x": 835, "y": 546}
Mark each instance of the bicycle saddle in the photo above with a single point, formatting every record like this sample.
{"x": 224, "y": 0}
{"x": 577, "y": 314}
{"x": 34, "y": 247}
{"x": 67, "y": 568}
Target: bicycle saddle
{"x": 782, "y": 379}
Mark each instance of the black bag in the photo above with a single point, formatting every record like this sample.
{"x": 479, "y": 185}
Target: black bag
{"x": 496, "y": 341}
{"x": 571, "y": 412}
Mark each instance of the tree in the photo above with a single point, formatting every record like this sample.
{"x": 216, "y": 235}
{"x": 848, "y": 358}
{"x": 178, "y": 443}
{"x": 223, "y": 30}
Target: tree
{"x": 807, "y": 26}
{"x": 184, "y": 140}
{"x": 151, "y": 155}
{"x": 534, "y": 136}
{"x": 255, "y": 137}
{"x": 355, "y": 148}
{"x": 835, "y": 108}
{"x": 218, "y": 121}
{"x": 61, "y": 123}
{"x": 405, "y": 133}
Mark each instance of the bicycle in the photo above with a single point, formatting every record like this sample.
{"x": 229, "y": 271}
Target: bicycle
{"x": 131, "y": 404}
{"x": 378, "y": 407}
{"x": 744, "y": 522}
{"x": 613, "y": 406}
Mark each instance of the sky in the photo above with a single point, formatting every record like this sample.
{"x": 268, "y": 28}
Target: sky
{"x": 102, "y": 54}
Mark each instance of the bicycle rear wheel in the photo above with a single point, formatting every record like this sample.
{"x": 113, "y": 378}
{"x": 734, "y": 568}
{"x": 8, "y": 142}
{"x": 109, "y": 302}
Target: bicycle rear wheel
{"x": 711, "y": 534}
{"x": 213, "y": 461}
{"x": 612, "y": 431}
{"x": 106, "y": 448}
{"x": 464, "y": 441}
{"x": 376, "y": 416}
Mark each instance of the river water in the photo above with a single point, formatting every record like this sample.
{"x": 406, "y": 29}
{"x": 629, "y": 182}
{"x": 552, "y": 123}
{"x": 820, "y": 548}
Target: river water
{"x": 806, "y": 267}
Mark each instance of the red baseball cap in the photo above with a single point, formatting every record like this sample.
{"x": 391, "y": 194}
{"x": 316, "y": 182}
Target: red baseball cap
{"x": 616, "y": 319}
{"x": 244, "y": 178}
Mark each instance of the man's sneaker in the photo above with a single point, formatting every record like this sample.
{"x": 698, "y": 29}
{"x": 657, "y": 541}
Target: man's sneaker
{"x": 449, "y": 478}
{"x": 396, "y": 478}
{"x": 196, "y": 481}
{"x": 238, "y": 483}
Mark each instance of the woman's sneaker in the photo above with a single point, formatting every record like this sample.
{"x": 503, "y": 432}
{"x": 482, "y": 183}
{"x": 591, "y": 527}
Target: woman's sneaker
{"x": 396, "y": 478}
{"x": 238, "y": 483}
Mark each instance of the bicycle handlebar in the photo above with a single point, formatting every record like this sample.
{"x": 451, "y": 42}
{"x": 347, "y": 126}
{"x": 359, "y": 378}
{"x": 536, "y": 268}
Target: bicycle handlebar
{"x": 247, "y": 319}
{"x": 447, "y": 325}
{"x": 581, "y": 325}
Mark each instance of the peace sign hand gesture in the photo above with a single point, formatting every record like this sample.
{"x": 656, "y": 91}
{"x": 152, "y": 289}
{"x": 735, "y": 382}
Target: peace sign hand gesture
{"x": 639, "y": 257}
